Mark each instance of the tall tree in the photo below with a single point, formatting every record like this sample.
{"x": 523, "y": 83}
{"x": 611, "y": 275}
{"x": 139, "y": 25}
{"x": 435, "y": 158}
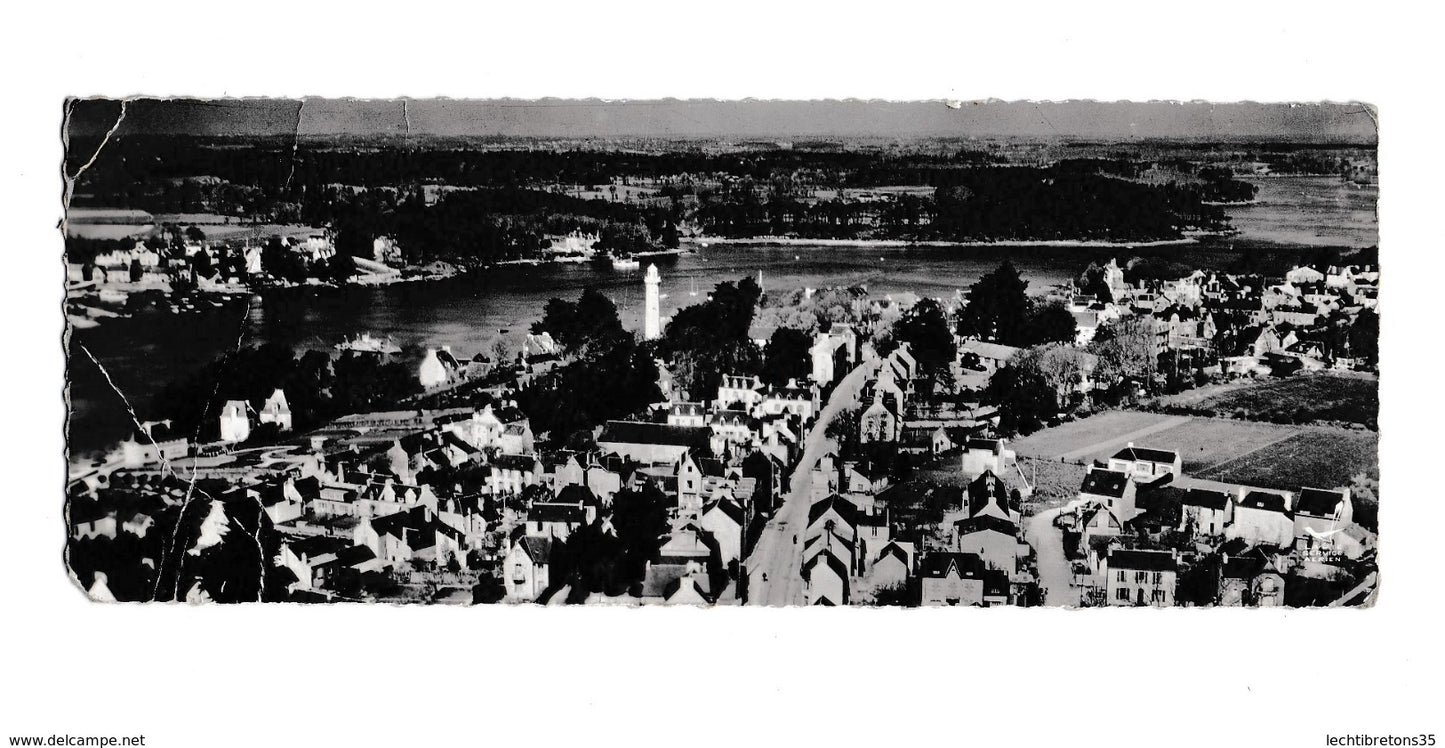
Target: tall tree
{"x": 1365, "y": 336}
{"x": 1025, "y": 401}
{"x": 575, "y": 326}
{"x": 1127, "y": 349}
{"x": 924, "y": 326}
{"x": 1050, "y": 323}
{"x": 786, "y": 356}
{"x": 997, "y": 307}
{"x": 1093, "y": 282}
{"x": 705, "y": 341}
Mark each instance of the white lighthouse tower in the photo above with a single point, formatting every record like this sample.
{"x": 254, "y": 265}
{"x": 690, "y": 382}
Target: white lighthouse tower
{"x": 652, "y": 322}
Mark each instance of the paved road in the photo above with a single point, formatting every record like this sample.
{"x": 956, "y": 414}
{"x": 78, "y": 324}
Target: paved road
{"x": 776, "y": 556}
{"x": 1054, "y": 570}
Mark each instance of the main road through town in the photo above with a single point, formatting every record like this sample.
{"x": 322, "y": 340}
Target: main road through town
{"x": 775, "y": 566}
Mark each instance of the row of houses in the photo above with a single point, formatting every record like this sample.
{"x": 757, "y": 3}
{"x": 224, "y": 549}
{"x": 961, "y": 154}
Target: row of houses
{"x": 1141, "y": 495}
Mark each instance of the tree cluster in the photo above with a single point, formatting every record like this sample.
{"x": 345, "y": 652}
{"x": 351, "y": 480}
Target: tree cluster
{"x": 704, "y": 341}
{"x": 1000, "y": 310}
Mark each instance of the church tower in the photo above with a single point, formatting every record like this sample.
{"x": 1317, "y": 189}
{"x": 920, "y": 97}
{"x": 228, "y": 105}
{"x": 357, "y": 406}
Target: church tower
{"x": 652, "y": 322}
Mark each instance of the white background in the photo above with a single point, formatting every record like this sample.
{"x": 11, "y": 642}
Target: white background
{"x": 292, "y": 675}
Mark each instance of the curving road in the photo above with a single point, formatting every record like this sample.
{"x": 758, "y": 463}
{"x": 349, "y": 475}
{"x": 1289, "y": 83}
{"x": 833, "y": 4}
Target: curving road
{"x": 1055, "y": 573}
{"x": 776, "y": 556}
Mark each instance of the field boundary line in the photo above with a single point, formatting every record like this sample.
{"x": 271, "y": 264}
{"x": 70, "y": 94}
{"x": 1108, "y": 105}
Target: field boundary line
{"x": 1171, "y": 422}
{"x": 1204, "y": 471}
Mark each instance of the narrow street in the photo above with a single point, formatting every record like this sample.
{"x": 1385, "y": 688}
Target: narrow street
{"x": 1054, "y": 570}
{"x": 776, "y": 556}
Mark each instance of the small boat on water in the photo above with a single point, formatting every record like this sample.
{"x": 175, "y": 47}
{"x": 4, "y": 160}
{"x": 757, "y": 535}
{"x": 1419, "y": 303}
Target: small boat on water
{"x": 693, "y": 292}
{"x": 365, "y": 343}
{"x": 626, "y": 263}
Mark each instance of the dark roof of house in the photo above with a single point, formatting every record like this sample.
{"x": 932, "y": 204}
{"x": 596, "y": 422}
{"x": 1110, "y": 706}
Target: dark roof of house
{"x": 638, "y": 432}
{"x": 895, "y": 550}
{"x": 1199, "y": 497}
{"x": 711, "y": 467}
{"x": 1142, "y": 560}
{"x": 827, "y": 539}
{"x": 829, "y": 560}
{"x": 420, "y": 527}
{"x": 1147, "y": 455}
{"x": 1244, "y": 567}
{"x": 1265, "y": 500}
{"x": 576, "y": 493}
{"x": 1317, "y": 502}
{"x": 729, "y": 508}
{"x": 515, "y": 462}
{"x": 1103, "y": 482}
{"x": 354, "y": 555}
{"x": 846, "y": 509}
{"x": 966, "y": 565}
{"x": 550, "y": 511}
{"x": 319, "y": 545}
{"x": 870, "y": 469}
{"x": 984, "y": 489}
{"x": 985, "y": 522}
{"x": 988, "y": 445}
{"x": 537, "y": 549}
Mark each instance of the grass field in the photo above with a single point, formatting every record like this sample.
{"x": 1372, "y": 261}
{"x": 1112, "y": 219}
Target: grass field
{"x": 1097, "y": 429}
{"x": 1301, "y": 399}
{"x": 1258, "y": 454}
{"x": 1315, "y": 457}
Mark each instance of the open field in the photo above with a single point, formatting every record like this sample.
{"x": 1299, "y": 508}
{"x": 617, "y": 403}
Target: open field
{"x": 1258, "y": 454}
{"x": 1316, "y": 457}
{"x": 1101, "y": 429}
{"x": 1320, "y": 397}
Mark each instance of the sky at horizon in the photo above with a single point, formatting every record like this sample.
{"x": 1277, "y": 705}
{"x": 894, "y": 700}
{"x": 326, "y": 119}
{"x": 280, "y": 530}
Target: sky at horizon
{"x": 571, "y": 118}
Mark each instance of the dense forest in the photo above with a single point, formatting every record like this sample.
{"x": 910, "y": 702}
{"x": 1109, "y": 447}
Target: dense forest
{"x": 472, "y": 203}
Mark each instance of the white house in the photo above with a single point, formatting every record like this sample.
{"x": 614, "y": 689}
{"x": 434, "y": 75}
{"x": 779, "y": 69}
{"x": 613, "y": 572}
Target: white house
{"x": 1146, "y": 465}
{"x": 951, "y": 579}
{"x": 526, "y": 569}
{"x": 723, "y": 520}
{"x": 992, "y": 539}
{"x": 1262, "y": 518}
{"x": 826, "y": 578}
{"x": 1142, "y": 578}
{"x": 1114, "y": 489}
{"x": 277, "y": 411}
{"x": 235, "y": 421}
{"x": 432, "y": 373}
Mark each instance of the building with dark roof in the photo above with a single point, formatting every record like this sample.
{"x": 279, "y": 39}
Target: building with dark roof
{"x": 526, "y": 571}
{"x": 835, "y": 514}
{"x": 654, "y": 443}
{"x": 951, "y": 579}
{"x": 826, "y": 577}
{"x": 1114, "y": 489}
{"x": 1139, "y": 577}
{"x": 1319, "y": 514}
{"x": 556, "y": 519}
{"x": 991, "y": 538}
{"x": 1146, "y": 465}
{"x": 988, "y": 494}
